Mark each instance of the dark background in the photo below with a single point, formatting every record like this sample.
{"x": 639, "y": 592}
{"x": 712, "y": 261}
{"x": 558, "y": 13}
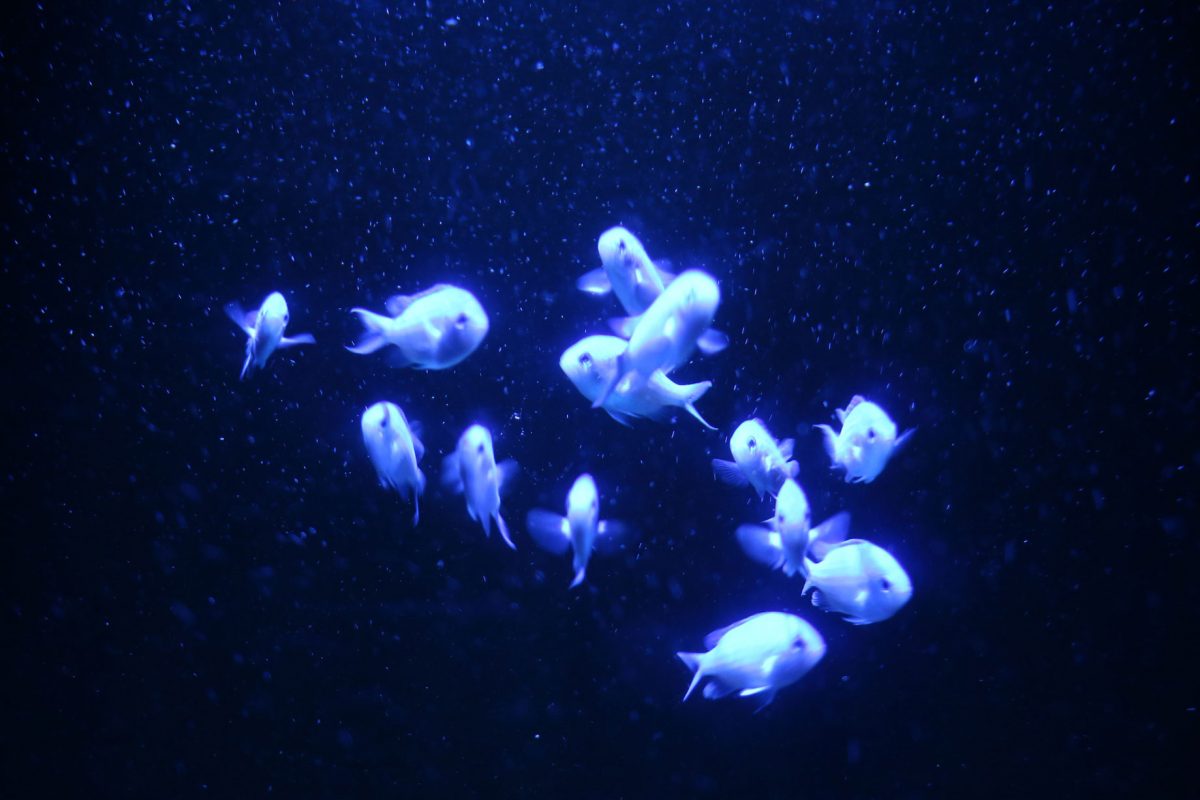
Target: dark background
{"x": 983, "y": 218}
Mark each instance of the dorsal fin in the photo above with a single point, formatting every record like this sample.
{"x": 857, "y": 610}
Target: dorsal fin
{"x": 711, "y": 640}
{"x": 396, "y": 304}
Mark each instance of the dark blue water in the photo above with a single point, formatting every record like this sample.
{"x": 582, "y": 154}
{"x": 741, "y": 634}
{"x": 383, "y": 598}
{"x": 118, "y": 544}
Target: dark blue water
{"x": 983, "y": 218}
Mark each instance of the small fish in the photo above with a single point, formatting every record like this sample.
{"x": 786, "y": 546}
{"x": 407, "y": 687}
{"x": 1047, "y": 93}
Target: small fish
{"x": 580, "y": 529}
{"x": 264, "y": 330}
{"x": 435, "y": 329}
{"x": 858, "y": 579}
{"x": 788, "y": 540}
{"x": 395, "y": 451}
{"x": 868, "y": 439}
{"x": 665, "y": 336}
{"x": 591, "y": 363}
{"x": 757, "y": 460}
{"x": 758, "y": 655}
{"x": 625, "y": 270}
{"x": 472, "y": 470}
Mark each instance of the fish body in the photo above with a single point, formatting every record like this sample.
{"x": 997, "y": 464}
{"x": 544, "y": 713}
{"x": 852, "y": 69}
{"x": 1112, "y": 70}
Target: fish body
{"x": 626, "y": 271}
{"x": 591, "y": 364}
{"x": 866, "y": 441}
{"x": 395, "y": 451}
{"x": 580, "y": 529}
{"x": 860, "y": 580}
{"x": 755, "y": 656}
{"x": 435, "y": 329}
{"x": 758, "y": 460}
{"x": 264, "y": 329}
{"x": 671, "y": 328}
{"x": 472, "y": 471}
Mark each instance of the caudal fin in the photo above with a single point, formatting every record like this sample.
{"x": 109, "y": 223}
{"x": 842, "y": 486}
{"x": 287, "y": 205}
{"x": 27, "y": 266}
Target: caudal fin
{"x": 504, "y": 531}
{"x": 691, "y": 393}
{"x": 692, "y": 662}
{"x": 299, "y": 338}
{"x": 373, "y": 328}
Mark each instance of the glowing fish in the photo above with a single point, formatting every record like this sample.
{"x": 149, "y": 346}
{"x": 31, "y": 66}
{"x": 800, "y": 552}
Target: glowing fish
{"x": 866, "y": 442}
{"x": 580, "y": 529}
{"x": 395, "y": 451}
{"x": 472, "y": 470}
{"x": 264, "y": 330}
{"x": 435, "y": 329}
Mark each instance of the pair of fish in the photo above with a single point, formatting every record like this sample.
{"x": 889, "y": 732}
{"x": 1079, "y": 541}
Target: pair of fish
{"x": 758, "y": 460}
{"x": 852, "y": 577}
{"x": 434, "y": 329}
{"x": 264, "y": 329}
{"x": 580, "y": 530}
{"x": 669, "y": 318}
{"x": 755, "y": 657}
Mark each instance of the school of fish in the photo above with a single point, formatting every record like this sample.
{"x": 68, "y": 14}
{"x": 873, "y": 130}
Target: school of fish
{"x": 668, "y": 318}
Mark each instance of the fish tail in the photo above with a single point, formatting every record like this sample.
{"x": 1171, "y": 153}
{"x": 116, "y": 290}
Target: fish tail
{"x": 692, "y": 662}
{"x": 374, "y": 326}
{"x": 504, "y": 531}
{"x": 580, "y": 574}
{"x": 248, "y": 365}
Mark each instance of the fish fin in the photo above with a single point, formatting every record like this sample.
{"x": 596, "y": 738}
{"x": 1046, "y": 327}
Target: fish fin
{"x": 508, "y": 470}
{"x": 692, "y": 392}
{"x": 300, "y": 338}
{"x": 786, "y": 448}
{"x": 548, "y": 530}
{"x": 580, "y": 574}
{"x": 753, "y": 691}
{"x": 715, "y": 689}
{"x": 818, "y": 598}
{"x": 711, "y": 640}
{"x": 728, "y": 472}
{"x": 504, "y": 531}
{"x": 828, "y": 535}
{"x": 765, "y": 699}
{"x": 618, "y": 374}
{"x": 903, "y": 438}
{"x": 451, "y": 474}
{"x": 694, "y": 662}
{"x": 594, "y": 282}
{"x": 418, "y": 445}
{"x": 623, "y": 326}
{"x": 691, "y": 409}
{"x": 857, "y": 620}
{"x": 373, "y": 327}
{"x": 854, "y": 401}
{"x": 396, "y": 304}
{"x": 242, "y": 318}
{"x": 841, "y": 414}
{"x": 792, "y": 468}
{"x": 712, "y": 341}
{"x": 248, "y": 364}
{"x": 830, "y": 440}
{"x": 416, "y": 507}
{"x": 761, "y": 544}
{"x": 613, "y": 535}
{"x": 620, "y": 417}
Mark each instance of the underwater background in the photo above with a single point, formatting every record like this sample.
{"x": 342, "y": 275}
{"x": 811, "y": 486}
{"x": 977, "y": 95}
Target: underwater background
{"x": 983, "y": 217}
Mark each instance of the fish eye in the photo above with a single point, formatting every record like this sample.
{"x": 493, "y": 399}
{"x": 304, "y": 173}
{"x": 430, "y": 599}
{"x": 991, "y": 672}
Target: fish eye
{"x": 799, "y": 644}
{"x": 285, "y": 317}
{"x": 383, "y": 423}
{"x": 585, "y": 359}
{"x": 885, "y": 584}
{"x": 752, "y": 444}
{"x": 870, "y": 433}
{"x": 461, "y": 321}
{"x": 479, "y": 449}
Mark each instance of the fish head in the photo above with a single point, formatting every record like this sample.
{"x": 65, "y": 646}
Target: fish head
{"x": 381, "y": 424}
{"x": 583, "y": 502}
{"x": 466, "y": 324}
{"x": 889, "y": 587}
{"x": 272, "y": 315}
{"x": 619, "y": 249}
{"x": 590, "y": 363}
{"x": 696, "y": 297}
{"x": 749, "y": 442}
{"x": 803, "y": 647}
{"x": 475, "y": 448}
{"x": 793, "y": 516}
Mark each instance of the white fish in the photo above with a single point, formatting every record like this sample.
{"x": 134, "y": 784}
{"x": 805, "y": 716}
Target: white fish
{"x": 626, "y": 271}
{"x": 665, "y": 336}
{"x": 858, "y": 579}
{"x": 757, "y": 460}
{"x": 580, "y": 529}
{"x": 395, "y": 451}
{"x": 788, "y": 539}
{"x": 264, "y": 330}
{"x": 755, "y": 656}
{"x": 435, "y": 329}
{"x": 866, "y": 442}
{"x": 472, "y": 470}
{"x": 591, "y": 364}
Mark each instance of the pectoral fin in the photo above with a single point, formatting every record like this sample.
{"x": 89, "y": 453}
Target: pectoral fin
{"x": 594, "y": 282}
